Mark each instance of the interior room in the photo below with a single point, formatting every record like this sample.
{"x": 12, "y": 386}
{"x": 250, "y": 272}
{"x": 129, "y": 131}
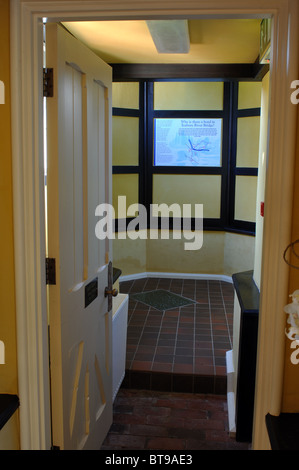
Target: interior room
{"x": 221, "y": 78}
{"x": 36, "y": 412}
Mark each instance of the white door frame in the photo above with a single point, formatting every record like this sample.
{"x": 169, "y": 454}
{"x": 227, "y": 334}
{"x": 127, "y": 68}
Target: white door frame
{"x": 28, "y": 184}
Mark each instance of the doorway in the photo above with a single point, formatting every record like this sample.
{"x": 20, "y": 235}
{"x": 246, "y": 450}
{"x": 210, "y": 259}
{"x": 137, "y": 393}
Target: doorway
{"x": 210, "y": 361}
{"x": 25, "y": 146}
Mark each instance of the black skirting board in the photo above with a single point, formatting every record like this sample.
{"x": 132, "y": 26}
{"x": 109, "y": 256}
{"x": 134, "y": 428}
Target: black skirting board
{"x": 8, "y": 405}
{"x": 283, "y": 431}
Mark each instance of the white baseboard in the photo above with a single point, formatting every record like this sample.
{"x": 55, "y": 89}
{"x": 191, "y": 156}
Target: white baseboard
{"x": 231, "y": 408}
{"x": 231, "y": 413}
{"x": 210, "y": 277}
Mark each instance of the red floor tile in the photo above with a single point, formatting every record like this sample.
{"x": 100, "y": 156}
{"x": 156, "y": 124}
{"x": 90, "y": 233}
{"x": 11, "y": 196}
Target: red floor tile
{"x": 190, "y": 340}
{"x": 148, "y": 420}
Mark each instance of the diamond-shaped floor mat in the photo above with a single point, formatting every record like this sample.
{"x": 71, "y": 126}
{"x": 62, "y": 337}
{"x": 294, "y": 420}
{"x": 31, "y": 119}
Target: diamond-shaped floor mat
{"x": 161, "y": 299}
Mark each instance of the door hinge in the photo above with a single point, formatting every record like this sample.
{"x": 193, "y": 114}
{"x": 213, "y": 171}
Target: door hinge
{"x": 50, "y": 271}
{"x": 48, "y": 84}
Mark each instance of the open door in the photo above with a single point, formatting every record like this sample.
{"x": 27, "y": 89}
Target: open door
{"x": 78, "y": 179}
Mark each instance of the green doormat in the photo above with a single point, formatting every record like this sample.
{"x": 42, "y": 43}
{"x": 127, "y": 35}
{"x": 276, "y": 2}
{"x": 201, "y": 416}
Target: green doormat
{"x": 161, "y": 299}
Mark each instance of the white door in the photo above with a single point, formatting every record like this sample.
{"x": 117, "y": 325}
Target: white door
{"x": 78, "y": 179}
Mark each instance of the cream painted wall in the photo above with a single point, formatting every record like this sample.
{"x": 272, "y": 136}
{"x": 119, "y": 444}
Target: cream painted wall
{"x": 129, "y": 255}
{"x": 247, "y": 147}
{"x": 188, "y": 95}
{"x": 261, "y": 179}
{"x": 125, "y": 150}
{"x": 189, "y": 189}
{"x": 222, "y": 253}
{"x": 170, "y": 256}
{"x": 238, "y": 253}
{"x": 125, "y": 95}
{"x": 124, "y": 185}
{"x": 245, "y": 198}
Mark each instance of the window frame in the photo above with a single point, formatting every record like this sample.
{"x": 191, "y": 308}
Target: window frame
{"x": 228, "y": 169}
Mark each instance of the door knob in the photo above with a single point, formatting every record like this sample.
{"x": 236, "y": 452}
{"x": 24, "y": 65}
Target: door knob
{"x": 113, "y": 292}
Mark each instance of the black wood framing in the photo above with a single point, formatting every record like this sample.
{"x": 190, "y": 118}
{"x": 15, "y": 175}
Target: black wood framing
{"x": 240, "y": 72}
{"x": 229, "y": 115}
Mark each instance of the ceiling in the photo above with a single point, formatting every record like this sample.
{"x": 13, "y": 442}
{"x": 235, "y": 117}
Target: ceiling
{"x": 212, "y": 41}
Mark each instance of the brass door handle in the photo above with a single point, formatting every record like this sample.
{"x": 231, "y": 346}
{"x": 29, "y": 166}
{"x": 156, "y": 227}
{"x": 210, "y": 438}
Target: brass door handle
{"x": 113, "y": 292}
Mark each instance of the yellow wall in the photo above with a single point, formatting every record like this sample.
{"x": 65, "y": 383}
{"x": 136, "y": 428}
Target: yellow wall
{"x": 222, "y": 253}
{"x": 170, "y": 256}
{"x": 247, "y": 155}
{"x": 238, "y": 253}
{"x": 124, "y": 185}
{"x": 9, "y": 434}
{"x": 247, "y": 146}
{"x": 189, "y": 189}
{"x": 129, "y": 255}
{"x": 186, "y": 95}
{"x": 245, "y": 198}
{"x": 125, "y": 95}
{"x": 249, "y": 95}
{"x": 125, "y": 140}
{"x": 8, "y": 371}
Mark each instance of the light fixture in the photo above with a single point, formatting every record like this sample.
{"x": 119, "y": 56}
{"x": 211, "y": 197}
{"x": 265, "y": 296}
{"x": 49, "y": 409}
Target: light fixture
{"x": 170, "y": 36}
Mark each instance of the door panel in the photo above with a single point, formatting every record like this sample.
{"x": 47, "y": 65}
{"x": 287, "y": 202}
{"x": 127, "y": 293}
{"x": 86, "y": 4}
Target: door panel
{"x": 78, "y": 179}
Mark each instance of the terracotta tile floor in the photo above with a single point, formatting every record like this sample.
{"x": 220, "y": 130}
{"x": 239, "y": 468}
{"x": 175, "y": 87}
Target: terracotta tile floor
{"x": 149, "y": 420}
{"x": 181, "y": 349}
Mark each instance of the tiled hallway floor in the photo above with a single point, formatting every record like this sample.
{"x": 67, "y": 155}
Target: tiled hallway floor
{"x": 180, "y": 349}
{"x": 173, "y": 397}
{"x": 148, "y": 420}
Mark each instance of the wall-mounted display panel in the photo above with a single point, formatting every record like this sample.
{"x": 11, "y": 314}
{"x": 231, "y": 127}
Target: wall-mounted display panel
{"x": 187, "y": 142}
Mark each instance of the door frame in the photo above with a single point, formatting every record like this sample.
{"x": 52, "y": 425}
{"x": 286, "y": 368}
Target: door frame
{"x": 28, "y": 193}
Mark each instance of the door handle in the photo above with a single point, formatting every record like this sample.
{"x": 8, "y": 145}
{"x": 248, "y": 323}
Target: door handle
{"x": 113, "y": 292}
{"x": 109, "y": 291}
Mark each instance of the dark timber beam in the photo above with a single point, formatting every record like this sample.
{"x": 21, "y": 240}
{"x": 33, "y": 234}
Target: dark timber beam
{"x": 239, "y": 72}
